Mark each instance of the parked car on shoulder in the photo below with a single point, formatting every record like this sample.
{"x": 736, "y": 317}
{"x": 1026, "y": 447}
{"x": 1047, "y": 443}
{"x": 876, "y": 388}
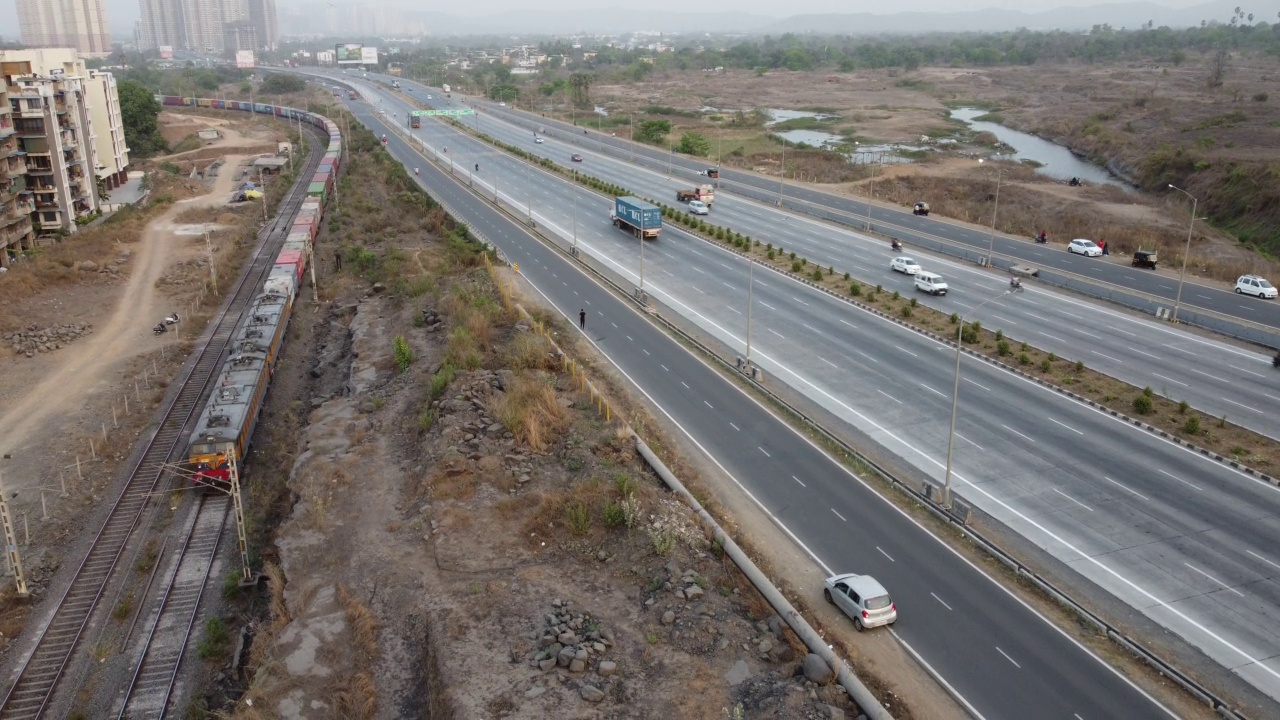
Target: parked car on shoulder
{"x": 921, "y": 208}
{"x": 931, "y": 283}
{"x": 1256, "y": 286}
{"x": 1088, "y": 248}
{"x": 862, "y": 598}
{"x": 904, "y": 264}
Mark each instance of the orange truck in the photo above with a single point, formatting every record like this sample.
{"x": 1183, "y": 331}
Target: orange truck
{"x": 705, "y": 193}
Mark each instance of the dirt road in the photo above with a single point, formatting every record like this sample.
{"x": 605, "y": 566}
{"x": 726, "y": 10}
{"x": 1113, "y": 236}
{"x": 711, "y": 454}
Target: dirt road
{"x": 82, "y": 368}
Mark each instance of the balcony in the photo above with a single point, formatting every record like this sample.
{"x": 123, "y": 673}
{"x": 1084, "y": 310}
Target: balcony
{"x": 34, "y": 169}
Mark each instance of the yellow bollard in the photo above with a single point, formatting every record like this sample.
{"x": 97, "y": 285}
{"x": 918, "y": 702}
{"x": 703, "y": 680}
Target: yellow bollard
{"x": 516, "y": 267}
{"x": 607, "y": 417}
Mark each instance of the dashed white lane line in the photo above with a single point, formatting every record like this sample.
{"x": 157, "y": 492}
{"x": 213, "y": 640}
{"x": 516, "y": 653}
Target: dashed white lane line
{"x": 1184, "y": 482}
{"x": 1125, "y": 488}
{"x": 1015, "y": 432}
{"x": 766, "y": 452}
{"x": 1051, "y": 337}
{"x": 614, "y": 324}
{"x": 943, "y": 604}
{"x": 1082, "y": 332}
{"x": 807, "y": 325}
{"x": 1095, "y": 352}
{"x": 695, "y": 287}
{"x": 882, "y": 552}
{"x": 1246, "y": 407}
{"x": 734, "y": 309}
{"x": 646, "y": 352}
{"x": 971, "y": 442}
{"x": 1176, "y": 382}
{"x": 838, "y": 515}
{"x": 1275, "y": 565}
{"x": 866, "y": 356}
{"x": 1006, "y": 657}
{"x": 1004, "y": 319}
{"x": 775, "y": 332}
{"x": 971, "y": 382}
{"x": 793, "y": 297}
{"x": 935, "y": 392}
{"x": 1140, "y": 352}
{"x": 1086, "y": 507}
{"x": 709, "y": 405}
{"x": 1175, "y": 347}
{"x": 793, "y": 477}
{"x": 906, "y": 351}
{"x": 735, "y": 427}
{"x": 1234, "y": 367}
{"x": 846, "y": 322}
{"x": 664, "y": 367}
{"x": 728, "y": 285}
{"x": 888, "y": 396}
{"x": 1201, "y": 372}
{"x": 1066, "y": 426}
{"x": 766, "y": 305}
{"x": 1224, "y": 585}
{"x": 828, "y": 362}
{"x": 631, "y": 338}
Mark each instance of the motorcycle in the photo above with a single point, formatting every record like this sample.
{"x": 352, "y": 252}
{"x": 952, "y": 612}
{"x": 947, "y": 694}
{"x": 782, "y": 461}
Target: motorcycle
{"x": 1040, "y": 239}
{"x": 160, "y": 329}
{"x": 896, "y": 245}
{"x": 1015, "y": 283}
{"x": 415, "y": 171}
{"x": 171, "y": 319}
{"x": 1275, "y": 362}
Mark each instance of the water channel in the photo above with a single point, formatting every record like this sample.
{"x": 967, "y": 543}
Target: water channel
{"x": 1055, "y": 160}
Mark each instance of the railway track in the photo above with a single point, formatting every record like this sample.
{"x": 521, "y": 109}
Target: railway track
{"x": 35, "y": 682}
{"x": 169, "y": 633}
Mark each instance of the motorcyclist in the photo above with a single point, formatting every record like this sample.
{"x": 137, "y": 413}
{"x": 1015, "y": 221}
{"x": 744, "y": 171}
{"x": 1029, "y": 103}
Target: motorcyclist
{"x": 415, "y": 171}
{"x": 895, "y": 244}
{"x": 477, "y": 167}
{"x": 1044, "y": 238}
{"x": 1015, "y": 283}
{"x": 158, "y": 329}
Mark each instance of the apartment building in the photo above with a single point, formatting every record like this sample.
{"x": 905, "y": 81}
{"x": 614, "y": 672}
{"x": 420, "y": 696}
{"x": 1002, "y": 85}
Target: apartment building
{"x": 16, "y": 200}
{"x": 49, "y": 97}
{"x": 79, "y": 24}
{"x": 111, "y": 161}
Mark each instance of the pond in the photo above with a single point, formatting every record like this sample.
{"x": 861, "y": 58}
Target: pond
{"x": 1055, "y": 160}
{"x": 857, "y": 154}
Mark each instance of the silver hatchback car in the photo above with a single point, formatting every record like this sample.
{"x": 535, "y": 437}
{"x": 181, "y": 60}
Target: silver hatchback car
{"x": 861, "y": 598}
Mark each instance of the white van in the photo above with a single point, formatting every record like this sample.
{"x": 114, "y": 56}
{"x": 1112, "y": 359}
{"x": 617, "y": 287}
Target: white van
{"x": 931, "y": 283}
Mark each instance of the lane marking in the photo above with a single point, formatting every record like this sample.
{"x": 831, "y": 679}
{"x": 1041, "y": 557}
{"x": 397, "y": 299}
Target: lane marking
{"x": 828, "y": 362}
{"x": 866, "y": 356}
{"x": 686, "y": 385}
{"x": 838, "y": 514}
{"x": 906, "y": 351}
{"x": 926, "y": 387}
{"x": 735, "y": 427}
{"x": 709, "y": 405}
{"x": 1095, "y": 352}
{"x": 882, "y": 552}
{"x": 1246, "y": 407}
{"x": 766, "y": 305}
{"x": 664, "y": 367}
{"x": 846, "y": 322}
{"x": 775, "y": 332}
{"x": 1086, "y": 507}
{"x": 1277, "y": 566}
{"x": 888, "y": 396}
{"x": 1184, "y": 482}
{"x": 1003, "y": 319}
{"x": 1175, "y": 347}
{"x": 970, "y": 442}
{"x": 1066, "y": 426}
{"x": 793, "y": 477}
{"x": 1006, "y": 657}
{"x": 1015, "y": 432}
{"x": 1224, "y": 585}
{"x": 1235, "y": 367}
{"x": 766, "y": 452}
{"x": 1051, "y": 337}
{"x": 973, "y": 382}
{"x": 1176, "y": 382}
{"x": 935, "y": 597}
{"x": 1140, "y": 352}
{"x": 646, "y": 352}
{"x": 1125, "y": 488}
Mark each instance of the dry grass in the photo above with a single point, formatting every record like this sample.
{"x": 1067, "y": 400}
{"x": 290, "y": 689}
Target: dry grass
{"x": 529, "y": 351}
{"x": 459, "y": 486}
{"x": 279, "y": 608}
{"x": 356, "y": 697}
{"x": 531, "y": 410}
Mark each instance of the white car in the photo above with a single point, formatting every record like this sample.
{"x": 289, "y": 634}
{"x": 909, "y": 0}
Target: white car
{"x": 502, "y": 104}
{"x": 697, "y": 207}
{"x": 905, "y": 265}
{"x": 861, "y": 598}
{"x": 931, "y": 283}
{"x": 537, "y": 141}
{"x": 1256, "y": 286}
{"x": 1088, "y": 248}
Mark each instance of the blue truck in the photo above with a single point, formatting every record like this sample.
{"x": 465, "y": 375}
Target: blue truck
{"x": 637, "y": 217}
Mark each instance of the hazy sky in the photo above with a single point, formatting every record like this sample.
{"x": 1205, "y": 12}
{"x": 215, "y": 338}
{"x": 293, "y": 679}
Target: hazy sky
{"x": 121, "y": 14}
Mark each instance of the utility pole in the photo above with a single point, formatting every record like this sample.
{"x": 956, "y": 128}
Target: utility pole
{"x": 783, "y": 175}
{"x": 11, "y": 544}
{"x": 237, "y": 504}
{"x": 213, "y": 268}
{"x": 751, "y": 267}
{"x": 574, "y": 248}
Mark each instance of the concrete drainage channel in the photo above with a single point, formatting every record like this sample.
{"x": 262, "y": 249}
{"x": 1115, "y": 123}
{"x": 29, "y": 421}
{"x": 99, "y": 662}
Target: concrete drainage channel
{"x": 924, "y": 496}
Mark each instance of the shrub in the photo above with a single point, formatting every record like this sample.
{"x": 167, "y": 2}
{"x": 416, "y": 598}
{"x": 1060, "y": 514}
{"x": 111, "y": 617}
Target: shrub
{"x": 914, "y": 302}
{"x": 804, "y": 261}
{"x": 404, "y": 353}
{"x": 1183, "y": 407}
{"x": 879, "y": 288}
{"x": 664, "y": 541}
{"x": 1024, "y": 359}
{"x": 440, "y": 382}
{"x": 1260, "y": 97}
{"x": 793, "y": 254}
{"x": 955, "y": 318}
{"x": 771, "y": 254}
{"x": 1079, "y": 366}
{"x": 578, "y": 518}
{"x": 769, "y": 247}
{"x": 427, "y": 420}
{"x": 855, "y": 289}
{"x": 831, "y": 269}
{"x": 1143, "y": 405}
{"x": 1148, "y": 391}
{"x": 795, "y": 265}
{"x": 817, "y": 275}
{"x": 1002, "y": 347}
{"x": 999, "y": 335}
{"x": 896, "y": 295}
{"x": 1053, "y": 358}
{"x": 1045, "y": 366}
{"x": 614, "y": 515}
{"x": 905, "y": 311}
{"x": 846, "y": 276}
{"x": 969, "y": 333}
{"x": 1025, "y": 347}
{"x": 1191, "y": 426}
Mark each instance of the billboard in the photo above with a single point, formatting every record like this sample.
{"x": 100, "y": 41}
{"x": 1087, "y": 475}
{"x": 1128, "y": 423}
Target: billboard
{"x": 166, "y": 51}
{"x": 244, "y": 58}
{"x": 347, "y": 54}
{"x": 368, "y": 56}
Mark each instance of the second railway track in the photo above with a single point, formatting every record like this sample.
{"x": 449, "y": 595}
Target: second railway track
{"x": 34, "y": 684}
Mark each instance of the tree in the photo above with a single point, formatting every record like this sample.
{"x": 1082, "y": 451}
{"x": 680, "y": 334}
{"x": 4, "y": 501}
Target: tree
{"x": 581, "y": 84}
{"x": 653, "y": 131}
{"x": 280, "y": 84}
{"x": 504, "y": 93}
{"x": 692, "y": 143}
{"x": 138, "y": 112}
{"x": 1218, "y": 67}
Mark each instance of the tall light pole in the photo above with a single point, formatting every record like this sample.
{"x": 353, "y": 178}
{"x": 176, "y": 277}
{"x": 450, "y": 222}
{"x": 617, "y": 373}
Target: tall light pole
{"x": 991, "y": 244}
{"x": 632, "y": 132}
{"x": 1183, "y": 276}
{"x": 573, "y": 250}
{"x": 782, "y": 176}
{"x": 751, "y": 266}
{"x": 872, "y": 195}
{"x": 640, "y": 292}
{"x": 955, "y": 397}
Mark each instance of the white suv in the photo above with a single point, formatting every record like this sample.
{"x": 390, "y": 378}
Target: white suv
{"x": 931, "y": 283}
{"x": 1088, "y": 248}
{"x": 1254, "y": 285}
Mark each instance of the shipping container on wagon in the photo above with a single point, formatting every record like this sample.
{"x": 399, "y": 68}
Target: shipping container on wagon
{"x": 294, "y": 260}
{"x": 318, "y": 190}
{"x": 309, "y": 226}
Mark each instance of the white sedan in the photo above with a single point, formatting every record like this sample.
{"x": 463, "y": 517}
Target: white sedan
{"x": 905, "y": 265}
{"x": 697, "y": 207}
{"x": 1088, "y": 248}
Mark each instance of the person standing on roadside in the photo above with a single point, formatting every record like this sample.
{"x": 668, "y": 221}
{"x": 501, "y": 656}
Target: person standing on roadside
{"x": 582, "y": 319}
{"x": 337, "y": 259}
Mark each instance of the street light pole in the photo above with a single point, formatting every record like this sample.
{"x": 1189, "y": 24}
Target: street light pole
{"x": 632, "y": 132}
{"x": 955, "y": 398}
{"x": 751, "y": 267}
{"x": 782, "y": 176}
{"x": 991, "y": 244}
{"x": 1187, "y": 252}
{"x": 574, "y": 249}
{"x": 872, "y": 195}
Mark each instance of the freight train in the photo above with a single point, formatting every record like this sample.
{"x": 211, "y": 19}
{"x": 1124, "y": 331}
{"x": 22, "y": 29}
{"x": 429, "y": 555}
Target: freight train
{"x": 240, "y": 386}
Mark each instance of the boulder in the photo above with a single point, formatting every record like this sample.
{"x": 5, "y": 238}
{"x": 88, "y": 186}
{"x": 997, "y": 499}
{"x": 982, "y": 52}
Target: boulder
{"x": 88, "y": 266}
{"x": 591, "y": 693}
{"x": 668, "y": 617}
{"x": 817, "y": 670}
{"x": 607, "y": 668}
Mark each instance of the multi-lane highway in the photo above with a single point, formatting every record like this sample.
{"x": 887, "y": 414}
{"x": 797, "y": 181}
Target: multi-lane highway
{"x": 997, "y": 653}
{"x": 1216, "y": 377}
{"x": 1176, "y": 536}
{"x": 902, "y": 222}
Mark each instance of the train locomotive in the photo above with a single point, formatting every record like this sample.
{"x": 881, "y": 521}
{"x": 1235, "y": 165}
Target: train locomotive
{"x": 240, "y": 387}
